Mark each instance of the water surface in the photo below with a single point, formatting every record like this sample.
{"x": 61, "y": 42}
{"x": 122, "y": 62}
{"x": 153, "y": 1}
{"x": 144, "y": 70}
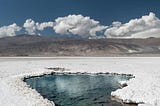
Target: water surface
{"x": 78, "y": 90}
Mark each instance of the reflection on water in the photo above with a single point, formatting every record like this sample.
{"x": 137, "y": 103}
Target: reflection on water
{"x": 78, "y": 90}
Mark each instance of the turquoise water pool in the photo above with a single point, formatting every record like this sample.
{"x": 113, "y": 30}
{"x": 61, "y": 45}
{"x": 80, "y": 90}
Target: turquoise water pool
{"x": 78, "y": 90}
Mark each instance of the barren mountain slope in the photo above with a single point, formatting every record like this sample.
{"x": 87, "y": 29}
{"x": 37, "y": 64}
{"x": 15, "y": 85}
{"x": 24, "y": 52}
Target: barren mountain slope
{"x": 32, "y": 45}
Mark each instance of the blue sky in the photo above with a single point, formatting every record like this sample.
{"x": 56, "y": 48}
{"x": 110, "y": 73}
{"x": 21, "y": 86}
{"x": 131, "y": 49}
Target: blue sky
{"x": 104, "y": 11}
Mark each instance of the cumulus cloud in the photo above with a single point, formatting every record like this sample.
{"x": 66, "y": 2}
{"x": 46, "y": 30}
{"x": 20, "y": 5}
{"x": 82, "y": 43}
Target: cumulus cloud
{"x": 77, "y": 25}
{"x": 31, "y": 26}
{"x": 44, "y": 25}
{"x": 146, "y": 26}
{"x": 155, "y": 32}
{"x": 9, "y": 30}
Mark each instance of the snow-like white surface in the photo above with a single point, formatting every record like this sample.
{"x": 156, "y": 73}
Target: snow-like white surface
{"x": 143, "y": 89}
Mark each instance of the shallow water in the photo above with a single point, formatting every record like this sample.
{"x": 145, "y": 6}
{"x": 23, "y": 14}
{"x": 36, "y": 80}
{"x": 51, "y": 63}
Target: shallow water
{"x": 78, "y": 90}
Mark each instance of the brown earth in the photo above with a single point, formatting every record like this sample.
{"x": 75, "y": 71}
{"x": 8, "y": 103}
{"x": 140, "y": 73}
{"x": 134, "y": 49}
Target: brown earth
{"x": 32, "y": 45}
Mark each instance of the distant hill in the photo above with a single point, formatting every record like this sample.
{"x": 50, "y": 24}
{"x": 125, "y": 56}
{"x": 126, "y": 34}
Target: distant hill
{"x": 34, "y": 45}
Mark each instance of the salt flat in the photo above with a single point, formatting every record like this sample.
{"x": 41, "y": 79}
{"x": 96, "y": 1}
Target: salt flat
{"x": 143, "y": 89}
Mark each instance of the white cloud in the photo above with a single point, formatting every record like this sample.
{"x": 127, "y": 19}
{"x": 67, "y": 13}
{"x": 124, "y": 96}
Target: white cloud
{"x": 31, "y": 26}
{"x": 146, "y": 26}
{"x": 9, "y": 30}
{"x": 94, "y": 30}
{"x": 44, "y": 25}
{"x": 155, "y": 32}
{"x": 116, "y": 24}
{"x": 77, "y": 25}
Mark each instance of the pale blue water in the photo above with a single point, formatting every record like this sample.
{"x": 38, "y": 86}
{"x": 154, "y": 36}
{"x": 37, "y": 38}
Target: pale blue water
{"x": 78, "y": 90}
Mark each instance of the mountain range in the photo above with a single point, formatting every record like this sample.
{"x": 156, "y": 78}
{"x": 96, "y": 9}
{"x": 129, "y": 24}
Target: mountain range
{"x": 34, "y": 45}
